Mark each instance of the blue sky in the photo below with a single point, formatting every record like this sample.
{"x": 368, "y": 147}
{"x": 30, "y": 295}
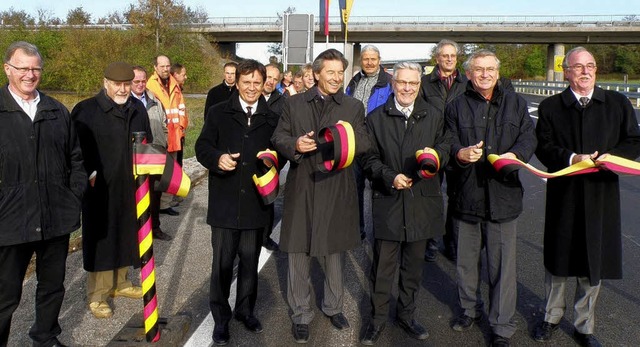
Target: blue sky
{"x": 269, "y": 8}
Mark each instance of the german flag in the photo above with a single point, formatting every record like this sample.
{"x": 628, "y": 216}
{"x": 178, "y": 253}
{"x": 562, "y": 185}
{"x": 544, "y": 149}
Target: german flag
{"x": 269, "y": 183}
{"x": 150, "y": 159}
{"x": 337, "y": 144}
{"x": 429, "y": 163}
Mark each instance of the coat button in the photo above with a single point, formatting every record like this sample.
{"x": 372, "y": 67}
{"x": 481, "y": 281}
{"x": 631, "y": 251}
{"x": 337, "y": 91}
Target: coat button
{"x": 241, "y": 191}
{"x": 246, "y": 136}
{"x": 38, "y": 229}
{"x": 488, "y": 147}
{"x": 244, "y": 163}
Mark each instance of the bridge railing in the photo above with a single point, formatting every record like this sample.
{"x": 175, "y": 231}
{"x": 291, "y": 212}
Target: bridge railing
{"x": 631, "y": 91}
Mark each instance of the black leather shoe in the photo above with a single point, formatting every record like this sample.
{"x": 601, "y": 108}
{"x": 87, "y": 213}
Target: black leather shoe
{"x": 57, "y": 343}
{"x": 339, "y": 321}
{"x": 463, "y": 322}
{"x": 371, "y": 334}
{"x": 431, "y": 253}
{"x": 158, "y": 234}
{"x": 414, "y": 329}
{"x": 499, "y": 341}
{"x": 450, "y": 252}
{"x": 300, "y": 333}
{"x": 221, "y": 334}
{"x": 544, "y": 331}
{"x": 586, "y": 340}
{"x": 271, "y": 245}
{"x": 170, "y": 211}
{"x": 251, "y": 323}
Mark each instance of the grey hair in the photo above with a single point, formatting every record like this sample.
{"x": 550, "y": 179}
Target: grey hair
{"x": 409, "y": 65}
{"x": 370, "y": 48}
{"x": 480, "y": 54}
{"x": 28, "y": 49}
{"x": 329, "y": 54}
{"x": 565, "y": 61}
{"x": 446, "y": 42}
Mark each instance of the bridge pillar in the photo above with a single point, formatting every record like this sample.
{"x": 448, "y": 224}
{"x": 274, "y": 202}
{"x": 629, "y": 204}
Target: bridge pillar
{"x": 356, "y": 57}
{"x": 227, "y": 49}
{"x": 349, "y": 54}
{"x": 552, "y": 51}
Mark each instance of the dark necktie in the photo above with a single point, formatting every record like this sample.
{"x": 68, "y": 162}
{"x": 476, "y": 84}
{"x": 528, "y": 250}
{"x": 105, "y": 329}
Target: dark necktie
{"x": 584, "y": 101}
{"x": 249, "y": 115}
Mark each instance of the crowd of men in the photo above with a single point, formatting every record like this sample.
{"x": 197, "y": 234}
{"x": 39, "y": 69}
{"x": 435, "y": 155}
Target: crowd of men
{"x": 55, "y": 165}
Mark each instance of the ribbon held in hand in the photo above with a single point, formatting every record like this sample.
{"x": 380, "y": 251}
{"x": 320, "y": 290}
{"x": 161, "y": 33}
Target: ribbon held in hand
{"x": 428, "y": 161}
{"x": 337, "y": 144}
{"x": 268, "y": 183}
{"x": 612, "y": 163}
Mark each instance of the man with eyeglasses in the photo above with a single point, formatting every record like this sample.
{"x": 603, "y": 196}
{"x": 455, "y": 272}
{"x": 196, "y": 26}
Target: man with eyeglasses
{"x": 105, "y": 125}
{"x": 42, "y": 181}
{"x": 439, "y": 87}
{"x": 582, "y": 236}
{"x": 407, "y": 209}
{"x": 372, "y": 86}
{"x": 487, "y": 119}
{"x": 157, "y": 120}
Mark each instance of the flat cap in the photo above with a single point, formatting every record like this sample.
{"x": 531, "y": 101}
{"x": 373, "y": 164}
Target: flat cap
{"x": 119, "y": 71}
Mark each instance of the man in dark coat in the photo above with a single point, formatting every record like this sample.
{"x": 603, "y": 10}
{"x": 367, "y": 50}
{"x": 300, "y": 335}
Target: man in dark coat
{"x": 37, "y": 140}
{"x": 372, "y": 86}
{"x": 438, "y": 88}
{"x": 582, "y": 236}
{"x": 407, "y": 209}
{"x": 487, "y": 119}
{"x": 320, "y": 217}
{"x": 233, "y": 134}
{"x": 222, "y": 92}
{"x": 105, "y": 124}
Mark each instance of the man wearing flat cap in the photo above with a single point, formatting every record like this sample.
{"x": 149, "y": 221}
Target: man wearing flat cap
{"x": 105, "y": 124}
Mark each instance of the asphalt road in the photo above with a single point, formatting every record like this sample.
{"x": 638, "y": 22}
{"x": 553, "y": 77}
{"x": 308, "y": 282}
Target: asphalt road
{"x": 183, "y": 267}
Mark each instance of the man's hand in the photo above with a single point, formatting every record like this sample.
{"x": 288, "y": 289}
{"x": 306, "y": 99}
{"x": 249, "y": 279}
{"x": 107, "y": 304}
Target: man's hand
{"x": 470, "y": 154}
{"x": 581, "y": 157}
{"x": 402, "y": 182}
{"x": 227, "y": 161}
{"x": 306, "y": 143}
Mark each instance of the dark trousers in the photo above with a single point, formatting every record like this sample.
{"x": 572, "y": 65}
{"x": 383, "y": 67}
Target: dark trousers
{"x": 51, "y": 257}
{"x": 383, "y": 269}
{"x": 227, "y": 243}
{"x": 358, "y": 172}
{"x": 154, "y": 203}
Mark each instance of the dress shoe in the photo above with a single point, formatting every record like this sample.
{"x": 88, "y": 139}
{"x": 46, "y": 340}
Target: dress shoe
{"x": 414, "y": 329}
{"x": 132, "y": 292}
{"x": 158, "y": 234}
{"x": 221, "y": 334}
{"x": 271, "y": 245}
{"x": 499, "y": 341}
{"x": 463, "y": 322}
{"x": 586, "y": 340}
{"x": 251, "y": 323}
{"x": 100, "y": 309}
{"x": 170, "y": 211}
{"x": 57, "y": 343}
{"x": 339, "y": 321}
{"x": 431, "y": 253}
{"x": 543, "y": 331}
{"x": 371, "y": 334}
{"x": 300, "y": 333}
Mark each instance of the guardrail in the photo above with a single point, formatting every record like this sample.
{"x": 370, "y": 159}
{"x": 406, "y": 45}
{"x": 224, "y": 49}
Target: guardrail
{"x": 631, "y": 91}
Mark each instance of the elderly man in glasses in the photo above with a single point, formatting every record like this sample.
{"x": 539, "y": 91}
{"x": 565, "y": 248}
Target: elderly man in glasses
{"x": 487, "y": 119}
{"x": 582, "y": 236}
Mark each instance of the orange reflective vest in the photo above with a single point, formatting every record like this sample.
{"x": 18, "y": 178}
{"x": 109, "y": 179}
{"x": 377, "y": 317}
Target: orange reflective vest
{"x": 174, "y": 107}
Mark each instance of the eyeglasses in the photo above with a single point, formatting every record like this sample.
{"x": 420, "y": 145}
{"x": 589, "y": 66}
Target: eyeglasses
{"x": 138, "y": 81}
{"x": 580, "y": 67}
{"x": 412, "y": 84}
{"x": 481, "y": 70}
{"x": 25, "y": 70}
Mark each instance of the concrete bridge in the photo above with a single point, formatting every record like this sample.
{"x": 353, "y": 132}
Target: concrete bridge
{"x": 555, "y": 31}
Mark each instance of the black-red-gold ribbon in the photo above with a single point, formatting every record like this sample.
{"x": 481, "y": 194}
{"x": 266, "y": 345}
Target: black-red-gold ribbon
{"x": 428, "y": 161}
{"x": 267, "y": 184}
{"x": 613, "y": 163}
{"x": 343, "y": 141}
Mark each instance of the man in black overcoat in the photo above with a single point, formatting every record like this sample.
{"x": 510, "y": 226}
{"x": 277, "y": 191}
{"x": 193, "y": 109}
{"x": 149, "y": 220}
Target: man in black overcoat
{"x": 582, "y": 237}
